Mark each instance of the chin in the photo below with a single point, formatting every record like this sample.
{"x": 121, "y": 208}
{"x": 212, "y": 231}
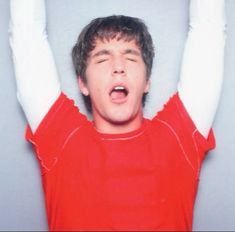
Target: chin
{"x": 122, "y": 117}
{"x": 120, "y": 121}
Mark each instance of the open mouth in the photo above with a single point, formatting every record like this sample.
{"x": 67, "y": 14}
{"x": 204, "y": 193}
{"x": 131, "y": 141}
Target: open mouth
{"x": 119, "y": 94}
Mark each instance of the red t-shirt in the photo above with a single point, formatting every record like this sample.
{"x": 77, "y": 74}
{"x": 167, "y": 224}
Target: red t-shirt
{"x": 143, "y": 180}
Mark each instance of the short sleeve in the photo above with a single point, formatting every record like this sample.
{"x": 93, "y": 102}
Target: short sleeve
{"x": 51, "y": 135}
{"x": 195, "y": 145}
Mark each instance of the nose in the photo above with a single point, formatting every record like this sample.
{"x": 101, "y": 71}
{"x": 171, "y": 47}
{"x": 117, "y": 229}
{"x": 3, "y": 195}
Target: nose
{"x": 118, "y": 66}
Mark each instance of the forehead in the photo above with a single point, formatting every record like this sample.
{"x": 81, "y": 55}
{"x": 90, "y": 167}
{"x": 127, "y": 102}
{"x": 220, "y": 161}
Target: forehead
{"x": 115, "y": 45}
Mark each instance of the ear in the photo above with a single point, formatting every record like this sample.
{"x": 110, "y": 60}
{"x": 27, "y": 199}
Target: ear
{"x": 83, "y": 87}
{"x": 147, "y": 86}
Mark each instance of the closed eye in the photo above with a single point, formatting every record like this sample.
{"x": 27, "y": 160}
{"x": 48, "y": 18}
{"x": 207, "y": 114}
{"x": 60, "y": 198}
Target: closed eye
{"x": 131, "y": 59}
{"x": 101, "y": 61}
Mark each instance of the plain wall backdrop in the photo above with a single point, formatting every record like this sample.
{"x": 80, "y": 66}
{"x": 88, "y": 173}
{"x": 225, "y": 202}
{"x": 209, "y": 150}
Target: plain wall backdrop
{"x": 21, "y": 196}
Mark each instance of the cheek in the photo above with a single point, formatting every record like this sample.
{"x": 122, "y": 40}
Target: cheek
{"x": 139, "y": 72}
{"x": 93, "y": 83}
{"x": 97, "y": 91}
{"x": 97, "y": 76}
{"x": 140, "y": 82}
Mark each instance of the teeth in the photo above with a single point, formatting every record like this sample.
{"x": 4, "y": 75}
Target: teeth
{"x": 119, "y": 88}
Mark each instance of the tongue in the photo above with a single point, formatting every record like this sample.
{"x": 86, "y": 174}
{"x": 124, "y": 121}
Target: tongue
{"x": 117, "y": 95}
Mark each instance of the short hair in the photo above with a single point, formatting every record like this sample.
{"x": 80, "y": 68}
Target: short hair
{"x": 112, "y": 27}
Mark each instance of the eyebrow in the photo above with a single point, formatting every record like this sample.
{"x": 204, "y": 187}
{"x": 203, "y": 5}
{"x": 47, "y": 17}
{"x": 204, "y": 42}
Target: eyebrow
{"x": 102, "y": 52}
{"x": 108, "y": 52}
{"x": 132, "y": 52}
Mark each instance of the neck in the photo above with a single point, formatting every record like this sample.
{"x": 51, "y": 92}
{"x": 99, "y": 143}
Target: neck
{"x": 110, "y": 127}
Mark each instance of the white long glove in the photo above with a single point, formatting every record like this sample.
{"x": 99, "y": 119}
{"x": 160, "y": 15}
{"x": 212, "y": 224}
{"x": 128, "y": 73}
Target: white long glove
{"x": 37, "y": 80}
{"x": 203, "y": 62}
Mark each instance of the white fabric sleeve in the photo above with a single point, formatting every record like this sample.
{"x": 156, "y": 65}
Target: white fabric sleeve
{"x": 37, "y": 79}
{"x": 203, "y": 62}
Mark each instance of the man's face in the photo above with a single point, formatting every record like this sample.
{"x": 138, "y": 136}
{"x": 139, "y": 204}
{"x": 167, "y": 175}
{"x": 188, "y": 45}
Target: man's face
{"x": 116, "y": 81}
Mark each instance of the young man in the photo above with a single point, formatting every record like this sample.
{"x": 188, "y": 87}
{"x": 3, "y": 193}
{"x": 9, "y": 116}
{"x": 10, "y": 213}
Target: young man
{"x": 120, "y": 171}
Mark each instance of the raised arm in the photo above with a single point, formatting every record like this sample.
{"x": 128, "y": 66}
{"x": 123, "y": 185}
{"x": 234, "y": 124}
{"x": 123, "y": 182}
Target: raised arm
{"x": 203, "y": 61}
{"x": 37, "y": 81}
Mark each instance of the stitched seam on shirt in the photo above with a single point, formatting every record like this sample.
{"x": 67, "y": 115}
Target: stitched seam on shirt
{"x": 55, "y": 113}
{"x": 63, "y": 146}
{"x": 70, "y": 136}
{"x": 196, "y": 146}
{"x": 178, "y": 140}
{"x": 39, "y": 156}
{"x": 194, "y": 142}
{"x": 129, "y": 138}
